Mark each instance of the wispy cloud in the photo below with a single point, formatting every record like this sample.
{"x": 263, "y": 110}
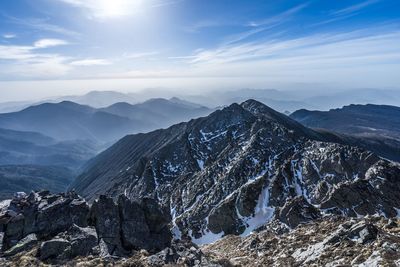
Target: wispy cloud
{"x": 139, "y": 55}
{"x": 354, "y": 8}
{"x": 41, "y": 25}
{"x": 33, "y": 60}
{"x": 265, "y": 24}
{"x": 280, "y": 18}
{"x": 318, "y": 45}
{"x": 91, "y": 62}
{"x": 45, "y": 43}
{"x": 9, "y": 36}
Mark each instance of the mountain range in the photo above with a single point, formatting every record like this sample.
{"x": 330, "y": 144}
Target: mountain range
{"x": 286, "y": 101}
{"x": 378, "y": 126}
{"x": 240, "y": 167}
{"x": 243, "y": 186}
{"x": 71, "y": 121}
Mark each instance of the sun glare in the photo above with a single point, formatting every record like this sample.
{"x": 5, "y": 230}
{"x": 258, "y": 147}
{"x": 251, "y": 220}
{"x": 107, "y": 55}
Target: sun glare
{"x": 117, "y": 8}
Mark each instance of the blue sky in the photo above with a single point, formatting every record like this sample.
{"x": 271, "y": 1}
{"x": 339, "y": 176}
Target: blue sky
{"x": 353, "y": 43}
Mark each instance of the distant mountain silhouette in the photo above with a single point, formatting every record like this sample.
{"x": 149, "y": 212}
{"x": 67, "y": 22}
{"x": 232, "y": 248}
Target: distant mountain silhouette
{"x": 99, "y": 99}
{"x": 377, "y": 125}
{"x": 70, "y": 121}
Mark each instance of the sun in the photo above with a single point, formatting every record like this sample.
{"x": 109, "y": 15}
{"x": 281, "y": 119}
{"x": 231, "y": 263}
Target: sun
{"x": 117, "y": 8}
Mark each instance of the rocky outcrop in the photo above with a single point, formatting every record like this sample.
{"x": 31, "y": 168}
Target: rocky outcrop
{"x": 297, "y": 211}
{"x": 63, "y": 226}
{"x": 241, "y": 167}
{"x": 44, "y": 214}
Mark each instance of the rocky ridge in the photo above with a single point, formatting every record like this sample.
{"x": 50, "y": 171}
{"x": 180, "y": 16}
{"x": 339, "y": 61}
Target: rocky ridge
{"x": 241, "y": 167}
{"x": 58, "y": 228}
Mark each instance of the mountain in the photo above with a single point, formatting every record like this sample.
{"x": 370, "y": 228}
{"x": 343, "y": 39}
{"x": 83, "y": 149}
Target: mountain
{"x": 31, "y": 161}
{"x": 158, "y": 112}
{"x": 67, "y": 121}
{"x": 99, "y": 99}
{"x": 279, "y": 100}
{"x": 240, "y": 168}
{"x": 70, "y": 121}
{"x": 342, "y": 98}
{"x": 362, "y": 120}
{"x": 25, "y": 178}
{"x": 378, "y": 126}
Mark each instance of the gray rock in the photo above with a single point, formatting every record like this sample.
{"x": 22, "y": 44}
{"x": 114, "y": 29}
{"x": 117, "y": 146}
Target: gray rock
{"x": 135, "y": 231}
{"x": 83, "y": 240}
{"x": 24, "y": 244}
{"x": 104, "y": 215}
{"x": 44, "y": 214}
{"x": 180, "y": 253}
{"x": 363, "y": 232}
{"x": 1, "y": 241}
{"x": 297, "y": 211}
{"x": 55, "y": 248}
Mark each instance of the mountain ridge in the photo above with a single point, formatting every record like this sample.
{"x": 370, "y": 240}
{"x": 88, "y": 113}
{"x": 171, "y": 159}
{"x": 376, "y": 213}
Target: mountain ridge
{"x": 239, "y": 167}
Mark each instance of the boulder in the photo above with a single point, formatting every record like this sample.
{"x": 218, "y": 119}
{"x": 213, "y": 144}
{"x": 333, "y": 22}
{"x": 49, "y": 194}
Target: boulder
{"x": 144, "y": 225}
{"x": 297, "y": 211}
{"x": 135, "y": 232}
{"x": 363, "y": 232}
{"x": 24, "y": 244}
{"x": 104, "y": 216}
{"x": 44, "y": 214}
{"x": 181, "y": 254}
{"x": 55, "y": 248}
{"x": 83, "y": 241}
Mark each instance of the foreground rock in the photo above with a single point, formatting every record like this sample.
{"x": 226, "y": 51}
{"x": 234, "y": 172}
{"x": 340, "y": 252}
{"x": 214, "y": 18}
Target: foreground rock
{"x": 57, "y": 228}
{"x": 331, "y": 241}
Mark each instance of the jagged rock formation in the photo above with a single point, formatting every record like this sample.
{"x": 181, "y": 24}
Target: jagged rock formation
{"x": 62, "y": 227}
{"x": 240, "y": 167}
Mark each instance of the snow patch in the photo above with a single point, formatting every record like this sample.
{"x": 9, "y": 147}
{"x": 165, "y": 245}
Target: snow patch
{"x": 4, "y": 204}
{"x": 200, "y": 163}
{"x": 207, "y": 238}
{"x": 262, "y": 213}
{"x": 398, "y": 212}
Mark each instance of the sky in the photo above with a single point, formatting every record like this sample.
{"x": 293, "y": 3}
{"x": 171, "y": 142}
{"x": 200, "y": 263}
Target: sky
{"x": 72, "y": 46}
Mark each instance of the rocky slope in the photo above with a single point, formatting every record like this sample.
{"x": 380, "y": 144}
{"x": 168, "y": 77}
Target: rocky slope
{"x": 63, "y": 230}
{"x": 243, "y": 166}
{"x": 331, "y": 241}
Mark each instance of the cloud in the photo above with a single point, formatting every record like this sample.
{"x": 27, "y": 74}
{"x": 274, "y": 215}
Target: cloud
{"x": 331, "y": 57}
{"x": 103, "y": 9}
{"x": 41, "y": 25}
{"x": 26, "y": 61}
{"x": 265, "y": 24}
{"x": 280, "y": 18}
{"x": 91, "y": 62}
{"x": 106, "y": 9}
{"x": 139, "y": 55}
{"x": 354, "y": 8}
{"x": 45, "y": 43}
{"x": 9, "y": 36}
